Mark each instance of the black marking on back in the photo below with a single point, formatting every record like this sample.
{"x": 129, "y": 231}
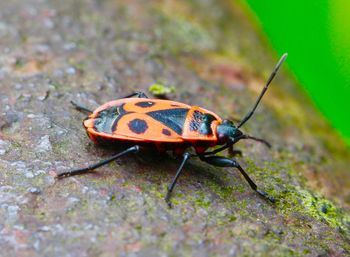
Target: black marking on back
{"x": 106, "y": 120}
{"x": 166, "y": 132}
{"x": 138, "y": 126}
{"x": 122, "y": 112}
{"x": 145, "y": 104}
{"x": 201, "y": 122}
{"x": 197, "y": 118}
{"x": 172, "y": 118}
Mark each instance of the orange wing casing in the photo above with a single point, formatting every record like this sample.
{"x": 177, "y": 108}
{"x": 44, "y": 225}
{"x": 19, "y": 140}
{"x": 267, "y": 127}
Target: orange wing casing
{"x": 152, "y": 120}
{"x": 139, "y": 119}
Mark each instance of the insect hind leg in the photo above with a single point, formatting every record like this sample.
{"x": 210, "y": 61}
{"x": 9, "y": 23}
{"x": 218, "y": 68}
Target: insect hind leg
{"x": 81, "y": 108}
{"x": 133, "y": 149}
{"x": 138, "y": 94}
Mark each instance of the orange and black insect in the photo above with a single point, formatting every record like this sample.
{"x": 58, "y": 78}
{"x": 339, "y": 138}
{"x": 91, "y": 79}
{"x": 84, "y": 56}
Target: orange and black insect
{"x": 168, "y": 125}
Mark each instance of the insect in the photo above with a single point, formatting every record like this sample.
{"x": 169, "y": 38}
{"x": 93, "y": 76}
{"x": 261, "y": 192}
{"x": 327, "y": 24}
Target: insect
{"x": 168, "y": 125}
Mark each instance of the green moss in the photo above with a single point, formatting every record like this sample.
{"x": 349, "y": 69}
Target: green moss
{"x": 321, "y": 208}
{"x": 154, "y": 190}
{"x": 16, "y": 144}
{"x": 306, "y": 251}
{"x": 19, "y": 63}
{"x": 294, "y": 198}
{"x": 138, "y": 227}
{"x": 202, "y": 201}
{"x": 302, "y": 201}
{"x": 81, "y": 67}
{"x": 158, "y": 89}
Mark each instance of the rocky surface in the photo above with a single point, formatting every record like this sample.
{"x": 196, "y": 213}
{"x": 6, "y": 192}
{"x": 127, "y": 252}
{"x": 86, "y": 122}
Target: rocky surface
{"x": 210, "y": 55}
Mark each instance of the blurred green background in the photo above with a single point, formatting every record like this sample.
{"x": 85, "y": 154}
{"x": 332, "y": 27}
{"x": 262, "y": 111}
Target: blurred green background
{"x": 316, "y": 34}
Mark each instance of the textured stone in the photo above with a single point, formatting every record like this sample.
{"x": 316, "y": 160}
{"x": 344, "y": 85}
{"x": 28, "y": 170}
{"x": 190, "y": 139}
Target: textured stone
{"x": 91, "y": 52}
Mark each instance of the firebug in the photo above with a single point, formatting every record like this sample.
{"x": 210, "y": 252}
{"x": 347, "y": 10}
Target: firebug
{"x": 168, "y": 125}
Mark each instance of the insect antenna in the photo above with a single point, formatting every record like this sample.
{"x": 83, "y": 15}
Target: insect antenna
{"x": 273, "y": 74}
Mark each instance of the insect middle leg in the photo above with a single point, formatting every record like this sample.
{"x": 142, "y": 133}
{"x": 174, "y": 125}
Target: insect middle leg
{"x": 133, "y": 149}
{"x": 226, "y": 162}
{"x": 171, "y": 186}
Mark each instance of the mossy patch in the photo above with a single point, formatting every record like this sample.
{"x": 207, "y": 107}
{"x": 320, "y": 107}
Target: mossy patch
{"x": 302, "y": 201}
{"x": 159, "y": 89}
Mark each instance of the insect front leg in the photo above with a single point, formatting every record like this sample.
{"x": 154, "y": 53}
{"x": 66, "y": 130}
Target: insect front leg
{"x": 226, "y": 162}
{"x": 133, "y": 149}
{"x": 234, "y": 152}
{"x": 171, "y": 186}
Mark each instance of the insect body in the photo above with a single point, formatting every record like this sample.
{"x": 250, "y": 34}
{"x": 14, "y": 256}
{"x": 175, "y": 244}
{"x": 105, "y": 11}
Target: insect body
{"x": 167, "y": 125}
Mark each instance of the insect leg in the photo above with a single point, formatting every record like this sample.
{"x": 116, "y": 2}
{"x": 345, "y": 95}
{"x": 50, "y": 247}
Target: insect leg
{"x": 220, "y": 149}
{"x": 81, "y": 108}
{"x": 226, "y": 162}
{"x": 88, "y": 111}
{"x": 138, "y": 94}
{"x": 233, "y": 152}
{"x": 133, "y": 149}
{"x": 230, "y": 144}
{"x": 171, "y": 186}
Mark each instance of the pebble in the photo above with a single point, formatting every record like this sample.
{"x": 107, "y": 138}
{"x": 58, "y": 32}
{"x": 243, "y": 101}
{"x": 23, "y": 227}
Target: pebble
{"x": 3, "y": 147}
{"x": 38, "y": 172}
{"x": 45, "y": 229}
{"x": 12, "y": 210}
{"x": 31, "y": 116}
{"x": 28, "y": 174}
{"x": 44, "y": 144}
{"x": 34, "y": 190}
{"x": 70, "y": 71}
{"x": 69, "y": 46}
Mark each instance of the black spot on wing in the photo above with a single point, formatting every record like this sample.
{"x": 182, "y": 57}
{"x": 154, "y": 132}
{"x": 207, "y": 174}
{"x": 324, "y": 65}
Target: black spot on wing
{"x": 172, "y": 118}
{"x": 138, "y": 126}
{"x": 166, "y": 132}
{"x": 145, "y": 104}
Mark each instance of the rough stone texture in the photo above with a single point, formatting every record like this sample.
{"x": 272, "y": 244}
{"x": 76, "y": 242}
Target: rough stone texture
{"x": 94, "y": 51}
